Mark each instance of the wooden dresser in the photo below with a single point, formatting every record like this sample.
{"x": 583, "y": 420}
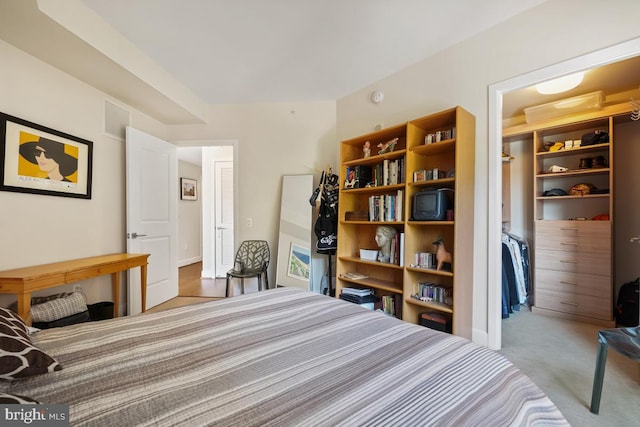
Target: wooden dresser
{"x": 573, "y": 269}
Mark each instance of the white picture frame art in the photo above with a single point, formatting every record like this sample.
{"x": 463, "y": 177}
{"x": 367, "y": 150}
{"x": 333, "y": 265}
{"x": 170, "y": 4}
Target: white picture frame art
{"x": 299, "y": 264}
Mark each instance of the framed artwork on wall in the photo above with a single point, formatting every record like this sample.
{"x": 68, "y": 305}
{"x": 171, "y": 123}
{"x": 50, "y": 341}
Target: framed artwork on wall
{"x": 40, "y": 160}
{"x": 188, "y": 189}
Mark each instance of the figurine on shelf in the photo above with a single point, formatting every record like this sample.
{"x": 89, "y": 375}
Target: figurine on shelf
{"x": 366, "y": 150}
{"x": 442, "y": 255}
{"x": 387, "y": 146}
{"x": 384, "y": 234}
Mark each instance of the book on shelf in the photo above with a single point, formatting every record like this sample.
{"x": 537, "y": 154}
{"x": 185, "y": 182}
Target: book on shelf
{"x": 396, "y": 255}
{"x": 359, "y": 296}
{"x": 388, "y": 172}
{"x": 391, "y": 305}
{"x": 441, "y": 135}
{"x": 356, "y": 299}
{"x": 353, "y": 276}
{"x": 387, "y": 207}
{"x": 358, "y": 291}
{"x": 427, "y": 291}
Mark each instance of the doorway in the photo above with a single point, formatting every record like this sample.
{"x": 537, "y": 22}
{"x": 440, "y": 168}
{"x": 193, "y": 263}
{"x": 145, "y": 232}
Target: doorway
{"x": 494, "y": 212}
{"x": 205, "y": 155}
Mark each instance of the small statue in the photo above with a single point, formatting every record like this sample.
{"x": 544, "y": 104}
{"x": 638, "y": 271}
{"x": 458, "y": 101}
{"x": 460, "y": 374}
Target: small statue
{"x": 367, "y": 149}
{"x": 384, "y": 235}
{"x": 442, "y": 255}
{"x": 387, "y": 146}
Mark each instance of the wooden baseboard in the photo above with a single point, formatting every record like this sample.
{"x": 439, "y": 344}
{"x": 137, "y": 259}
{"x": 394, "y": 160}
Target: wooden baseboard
{"x": 553, "y": 313}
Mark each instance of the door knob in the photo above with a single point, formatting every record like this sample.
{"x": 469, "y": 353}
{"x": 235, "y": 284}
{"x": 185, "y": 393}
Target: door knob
{"x": 135, "y": 235}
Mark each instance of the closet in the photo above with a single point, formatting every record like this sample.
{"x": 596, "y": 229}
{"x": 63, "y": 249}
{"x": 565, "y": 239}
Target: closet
{"x": 559, "y": 196}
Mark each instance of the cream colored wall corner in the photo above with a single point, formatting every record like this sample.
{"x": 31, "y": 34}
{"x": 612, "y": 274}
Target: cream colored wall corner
{"x": 545, "y": 35}
{"x": 38, "y": 229}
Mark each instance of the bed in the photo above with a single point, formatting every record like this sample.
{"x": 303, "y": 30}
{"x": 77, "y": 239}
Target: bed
{"x": 284, "y": 357}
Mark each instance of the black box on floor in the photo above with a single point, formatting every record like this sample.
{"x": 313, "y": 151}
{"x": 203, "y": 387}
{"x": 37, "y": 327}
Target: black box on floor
{"x": 437, "y": 321}
{"x": 101, "y": 310}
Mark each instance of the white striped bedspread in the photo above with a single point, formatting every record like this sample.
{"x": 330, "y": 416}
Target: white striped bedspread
{"x": 282, "y": 357}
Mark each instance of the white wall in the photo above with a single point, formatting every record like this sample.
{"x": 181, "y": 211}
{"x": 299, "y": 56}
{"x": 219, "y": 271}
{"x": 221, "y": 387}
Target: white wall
{"x": 38, "y": 229}
{"x": 273, "y": 140}
{"x": 190, "y": 218}
{"x": 550, "y": 33}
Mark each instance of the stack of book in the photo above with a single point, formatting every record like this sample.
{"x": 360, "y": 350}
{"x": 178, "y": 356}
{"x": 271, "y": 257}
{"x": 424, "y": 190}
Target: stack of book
{"x": 389, "y": 172}
{"x": 391, "y": 305}
{"x": 386, "y": 207}
{"x": 363, "y": 297}
{"x": 397, "y": 250}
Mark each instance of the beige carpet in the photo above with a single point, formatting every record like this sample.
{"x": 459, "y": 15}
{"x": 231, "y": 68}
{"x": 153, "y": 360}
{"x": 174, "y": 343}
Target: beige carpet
{"x": 559, "y": 356}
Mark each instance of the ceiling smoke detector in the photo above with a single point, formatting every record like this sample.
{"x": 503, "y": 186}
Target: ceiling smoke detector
{"x": 377, "y": 97}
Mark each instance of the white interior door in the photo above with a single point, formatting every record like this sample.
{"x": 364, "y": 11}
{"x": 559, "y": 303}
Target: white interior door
{"x": 152, "y": 213}
{"x": 224, "y": 217}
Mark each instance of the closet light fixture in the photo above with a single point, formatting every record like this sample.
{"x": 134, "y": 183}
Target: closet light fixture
{"x": 564, "y": 107}
{"x": 561, "y": 84}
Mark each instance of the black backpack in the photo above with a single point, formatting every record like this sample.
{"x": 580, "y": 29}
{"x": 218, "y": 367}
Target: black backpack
{"x": 626, "y": 310}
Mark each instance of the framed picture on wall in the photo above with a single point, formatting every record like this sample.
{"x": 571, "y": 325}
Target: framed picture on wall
{"x": 39, "y": 160}
{"x": 188, "y": 189}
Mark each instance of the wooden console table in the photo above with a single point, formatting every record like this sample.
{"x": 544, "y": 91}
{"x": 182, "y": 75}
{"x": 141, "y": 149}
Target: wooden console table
{"x": 23, "y": 281}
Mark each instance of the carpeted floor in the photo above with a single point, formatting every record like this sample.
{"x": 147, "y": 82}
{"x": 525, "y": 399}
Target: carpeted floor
{"x": 559, "y": 356}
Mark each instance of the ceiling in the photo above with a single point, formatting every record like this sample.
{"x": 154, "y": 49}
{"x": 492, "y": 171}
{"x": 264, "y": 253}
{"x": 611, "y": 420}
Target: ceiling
{"x": 185, "y": 54}
{"x": 254, "y": 51}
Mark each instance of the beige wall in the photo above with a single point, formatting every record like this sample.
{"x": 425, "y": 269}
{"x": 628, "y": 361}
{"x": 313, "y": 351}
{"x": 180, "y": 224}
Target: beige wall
{"x": 38, "y": 229}
{"x": 190, "y": 218}
{"x": 550, "y": 33}
{"x": 273, "y": 140}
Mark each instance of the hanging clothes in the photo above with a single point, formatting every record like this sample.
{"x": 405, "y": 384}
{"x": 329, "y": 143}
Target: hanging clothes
{"x": 326, "y": 226}
{"x": 516, "y": 277}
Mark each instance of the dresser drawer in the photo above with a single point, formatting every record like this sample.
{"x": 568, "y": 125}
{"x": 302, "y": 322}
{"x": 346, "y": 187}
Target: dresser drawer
{"x": 576, "y": 243}
{"x": 582, "y": 305}
{"x": 573, "y": 283}
{"x": 591, "y": 229}
{"x": 573, "y": 262}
